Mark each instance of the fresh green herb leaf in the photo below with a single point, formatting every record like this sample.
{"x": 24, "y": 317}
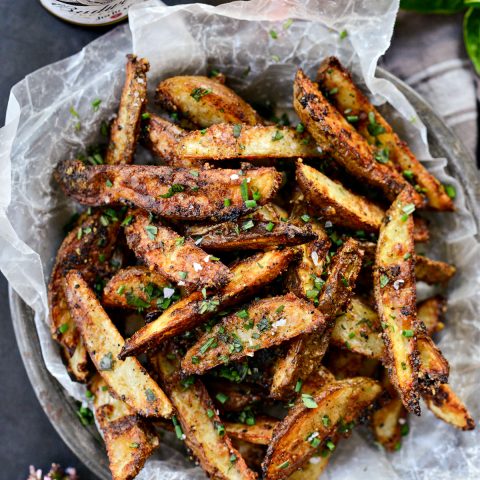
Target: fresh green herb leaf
{"x": 450, "y": 191}
{"x": 305, "y": 217}
{"x": 173, "y": 189}
{"x": 298, "y": 385}
{"x": 283, "y": 465}
{"x": 210, "y": 343}
{"x": 408, "y": 174}
{"x": 182, "y": 275}
{"x": 248, "y": 224}
{"x": 96, "y": 104}
{"x": 373, "y": 127}
{"x": 244, "y": 189}
{"x": 237, "y": 130}
{"x": 309, "y": 401}
{"x": 85, "y": 415}
{"x": 278, "y": 135}
{"x": 273, "y": 34}
{"x": 63, "y": 328}
{"x": 352, "y": 118}
{"x": 152, "y": 231}
{"x": 108, "y": 183}
{"x": 210, "y": 413}
{"x": 407, "y": 210}
{"x": 198, "y": 93}
{"x": 330, "y": 445}
{"x": 269, "y": 226}
{"x": 227, "y": 202}
{"x": 326, "y": 420}
{"x": 343, "y": 34}
{"x": 178, "y": 428}
{"x": 221, "y": 397}
{"x": 287, "y": 24}
{"x": 407, "y": 333}
{"x": 383, "y": 280}
{"x": 382, "y": 155}
{"x": 250, "y": 203}
{"x": 180, "y": 241}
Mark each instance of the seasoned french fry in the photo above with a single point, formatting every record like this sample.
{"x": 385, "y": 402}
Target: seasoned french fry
{"x": 371, "y": 125}
{"x": 335, "y": 135}
{"x": 204, "y": 101}
{"x": 449, "y": 408}
{"x": 334, "y": 202}
{"x": 247, "y": 277}
{"x": 176, "y": 193}
{"x": 229, "y": 142}
{"x": 200, "y": 426}
{"x": 262, "y": 324}
{"x": 126, "y": 126}
{"x": 171, "y": 255}
{"x": 248, "y": 234}
{"x": 259, "y": 433}
{"x": 128, "y": 437}
{"x": 139, "y": 288}
{"x": 395, "y": 296}
{"x": 430, "y": 312}
{"x": 433, "y": 271}
{"x": 310, "y": 424}
{"x": 128, "y": 379}
{"x": 93, "y": 238}
{"x": 305, "y": 353}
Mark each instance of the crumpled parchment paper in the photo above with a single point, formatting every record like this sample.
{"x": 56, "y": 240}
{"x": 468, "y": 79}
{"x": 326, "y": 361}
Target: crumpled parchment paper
{"x": 236, "y": 39}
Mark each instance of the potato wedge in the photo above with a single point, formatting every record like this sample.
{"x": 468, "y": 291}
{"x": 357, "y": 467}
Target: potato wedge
{"x": 229, "y": 142}
{"x": 395, "y": 296}
{"x": 248, "y": 234}
{"x": 365, "y": 118}
{"x": 434, "y": 367}
{"x": 92, "y": 238}
{"x": 176, "y": 193}
{"x": 305, "y": 353}
{"x": 171, "y": 255}
{"x": 312, "y": 423}
{"x": 247, "y": 277}
{"x": 445, "y": 404}
{"x": 204, "y": 101}
{"x": 128, "y": 379}
{"x": 125, "y": 128}
{"x": 430, "y": 312}
{"x": 262, "y": 324}
{"x": 259, "y": 433}
{"x": 433, "y": 271}
{"x": 199, "y": 426}
{"x": 138, "y": 288}
{"x": 128, "y": 437}
{"x": 335, "y": 135}
{"x": 332, "y": 201}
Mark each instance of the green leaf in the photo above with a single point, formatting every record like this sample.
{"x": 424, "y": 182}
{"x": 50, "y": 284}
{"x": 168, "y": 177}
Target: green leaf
{"x": 433, "y": 6}
{"x": 471, "y": 36}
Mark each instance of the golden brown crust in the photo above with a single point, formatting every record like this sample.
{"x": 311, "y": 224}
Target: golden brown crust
{"x": 201, "y": 425}
{"x": 335, "y": 135}
{"x": 421, "y": 232}
{"x": 228, "y": 142}
{"x": 348, "y": 98}
{"x": 171, "y": 255}
{"x": 204, "y": 101}
{"x": 260, "y": 433}
{"x": 305, "y": 353}
{"x": 247, "y": 277}
{"x": 177, "y": 193}
{"x": 433, "y": 271}
{"x": 292, "y": 443}
{"x": 434, "y": 368}
{"x": 129, "y": 439}
{"x": 430, "y": 312}
{"x": 267, "y": 322}
{"x": 128, "y": 379}
{"x": 248, "y": 233}
{"x": 137, "y": 288}
{"x": 239, "y": 395}
{"x": 88, "y": 248}
{"x": 395, "y": 296}
{"x": 332, "y": 201}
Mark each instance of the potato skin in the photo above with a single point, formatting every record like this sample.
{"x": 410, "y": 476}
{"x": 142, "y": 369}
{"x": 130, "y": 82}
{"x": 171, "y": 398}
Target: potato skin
{"x": 332, "y": 75}
{"x": 204, "y": 101}
{"x": 335, "y": 135}
{"x": 172, "y": 256}
{"x": 125, "y": 128}
{"x": 199, "y": 195}
{"x": 92, "y": 238}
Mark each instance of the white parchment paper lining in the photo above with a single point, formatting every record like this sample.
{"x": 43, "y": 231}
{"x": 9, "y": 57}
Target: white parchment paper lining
{"x": 235, "y": 38}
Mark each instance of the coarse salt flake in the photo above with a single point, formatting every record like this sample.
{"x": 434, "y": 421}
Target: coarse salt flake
{"x": 181, "y": 283}
{"x": 234, "y": 176}
{"x": 206, "y": 259}
{"x": 197, "y": 267}
{"x": 279, "y": 323}
{"x": 168, "y": 292}
{"x": 328, "y": 224}
{"x": 315, "y": 460}
{"x": 315, "y": 258}
{"x": 398, "y": 283}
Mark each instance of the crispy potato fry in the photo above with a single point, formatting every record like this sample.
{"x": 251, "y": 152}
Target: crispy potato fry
{"x": 128, "y": 438}
{"x": 335, "y": 135}
{"x": 371, "y": 125}
{"x": 262, "y": 324}
{"x": 334, "y": 202}
{"x": 138, "y": 288}
{"x": 431, "y": 312}
{"x": 128, "y": 379}
{"x": 247, "y": 277}
{"x": 176, "y": 193}
{"x": 449, "y": 408}
{"x": 433, "y": 271}
{"x": 92, "y": 238}
{"x": 248, "y": 234}
{"x": 259, "y": 433}
{"x": 395, "y": 296}
{"x": 228, "y": 142}
{"x": 434, "y": 368}
{"x": 305, "y": 353}
{"x": 238, "y": 395}
{"x": 200, "y": 426}
{"x": 311, "y": 470}
{"x": 126, "y": 126}
{"x": 171, "y": 255}
{"x": 204, "y": 101}
{"x": 311, "y": 424}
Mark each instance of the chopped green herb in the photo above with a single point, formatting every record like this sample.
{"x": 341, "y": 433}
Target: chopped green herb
{"x": 106, "y": 362}
{"x": 108, "y": 183}
{"x": 326, "y": 420}
{"x": 233, "y": 458}
{"x": 407, "y": 210}
{"x": 96, "y": 104}
{"x": 210, "y": 343}
{"x": 305, "y": 218}
{"x": 333, "y": 91}
{"x": 298, "y": 385}
{"x": 237, "y": 129}
{"x": 63, "y": 328}
{"x": 210, "y": 413}
{"x": 373, "y": 127}
{"x": 309, "y": 401}
{"x": 256, "y": 195}
{"x": 408, "y": 174}
{"x": 330, "y": 445}
{"x": 173, "y": 189}
{"x": 343, "y": 34}
{"x": 352, "y": 118}
{"x": 344, "y": 281}
{"x": 450, "y": 191}
{"x": 85, "y": 416}
{"x": 397, "y": 446}
{"x": 178, "y": 429}
{"x": 273, "y": 34}
{"x": 269, "y": 226}
{"x": 182, "y": 275}
{"x": 278, "y": 135}
{"x": 152, "y": 231}
{"x": 127, "y": 221}
{"x": 300, "y": 128}
{"x": 407, "y": 256}
{"x": 227, "y": 202}
{"x": 287, "y": 24}
{"x": 146, "y": 116}
{"x": 214, "y": 73}
{"x": 74, "y": 113}
{"x": 382, "y": 155}
{"x": 134, "y": 445}
{"x": 283, "y": 465}
{"x": 220, "y": 429}
{"x": 404, "y": 430}
{"x": 313, "y": 293}
{"x": 244, "y": 189}
{"x": 275, "y": 58}
{"x": 187, "y": 382}
{"x": 383, "y": 280}
{"x": 250, "y": 203}
{"x": 407, "y": 333}
{"x": 104, "y": 129}
{"x": 180, "y": 241}
{"x": 195, "y": 360}
{"x": 404, "y": 366}
{"x": 248, "y": 224}
{"x": 221, "y": 397}
{"x": 198, "y": 93}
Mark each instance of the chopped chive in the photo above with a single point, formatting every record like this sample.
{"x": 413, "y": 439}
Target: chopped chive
{"x": 269, "y": 226}
{"x": 227, "y": 202}
{"x": 407, "y": 333}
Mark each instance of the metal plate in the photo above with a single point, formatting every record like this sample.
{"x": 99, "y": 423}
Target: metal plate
{"x": 61, "y": 409}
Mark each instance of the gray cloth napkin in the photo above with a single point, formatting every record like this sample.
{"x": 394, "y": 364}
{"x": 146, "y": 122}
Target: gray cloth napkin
{"x": 427, "y": 52}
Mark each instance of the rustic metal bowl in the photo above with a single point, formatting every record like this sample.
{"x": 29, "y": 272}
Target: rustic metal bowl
{"x": 61, "y": 409}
